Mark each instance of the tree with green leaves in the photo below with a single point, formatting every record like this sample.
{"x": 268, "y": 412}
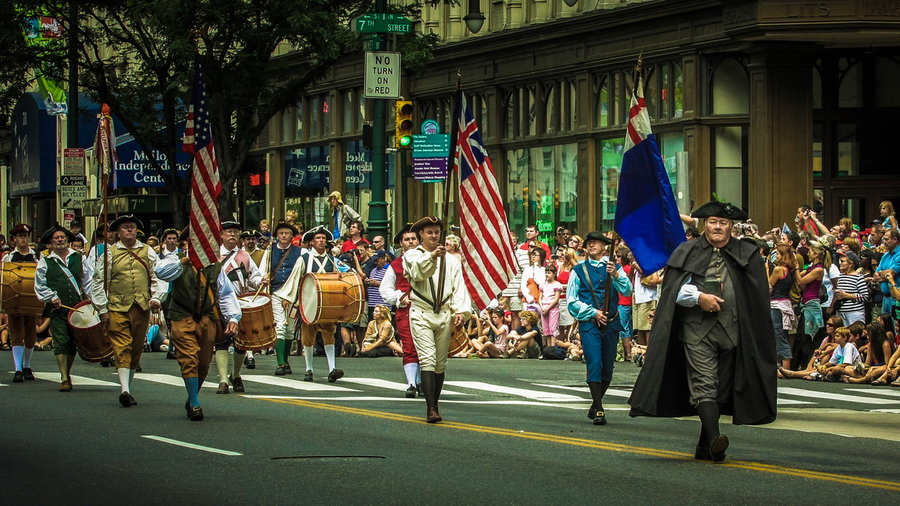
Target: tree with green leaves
{"x": 136, "y": 56}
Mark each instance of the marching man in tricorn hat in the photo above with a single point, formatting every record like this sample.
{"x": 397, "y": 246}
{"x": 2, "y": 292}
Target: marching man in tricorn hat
{"x": 439, "y": 299}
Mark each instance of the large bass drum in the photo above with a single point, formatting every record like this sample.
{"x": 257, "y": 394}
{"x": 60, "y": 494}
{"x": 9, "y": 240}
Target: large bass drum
{"x": 17, "y": 289}
{"x": 90, "y": 339}
{"x": 257, "y": 328}
{"x": 331, "y": 297}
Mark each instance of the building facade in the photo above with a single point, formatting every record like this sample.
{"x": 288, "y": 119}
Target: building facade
{"x": 768, "y": 104}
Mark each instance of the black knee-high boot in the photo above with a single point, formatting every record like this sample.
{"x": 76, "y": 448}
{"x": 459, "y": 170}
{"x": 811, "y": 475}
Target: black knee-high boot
{"x": 596, "y": 413}
{"x": 429, "y": 385}
{"x": 708, "y": 411}
{"x": 438, "y": 386}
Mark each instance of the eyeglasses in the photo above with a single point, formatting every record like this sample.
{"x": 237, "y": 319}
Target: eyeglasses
{"x": 829, "y": 324}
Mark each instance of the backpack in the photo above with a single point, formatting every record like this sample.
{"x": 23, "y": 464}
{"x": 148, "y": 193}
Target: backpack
{"x": 554, "y": 353}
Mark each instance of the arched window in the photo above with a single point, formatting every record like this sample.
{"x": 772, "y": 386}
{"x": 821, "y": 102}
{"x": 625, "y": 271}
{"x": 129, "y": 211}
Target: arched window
{"x": 730, "y": 89}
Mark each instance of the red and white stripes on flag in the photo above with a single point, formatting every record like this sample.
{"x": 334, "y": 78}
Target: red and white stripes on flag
{"x": 638, "y": 118}
{"x": 203, "y": 236}
{"x": 487, "y": 247}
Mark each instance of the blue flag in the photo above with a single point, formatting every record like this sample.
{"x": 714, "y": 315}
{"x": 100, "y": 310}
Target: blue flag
{"x": 647, "y": 216}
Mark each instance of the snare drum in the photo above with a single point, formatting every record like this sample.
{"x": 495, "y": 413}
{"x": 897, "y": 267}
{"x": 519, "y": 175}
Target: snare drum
{"x": 17, "y": 289}
{"x": 257, "y": 328}
{"x": 331, "y": 297}
{"x": 93, "y": 344}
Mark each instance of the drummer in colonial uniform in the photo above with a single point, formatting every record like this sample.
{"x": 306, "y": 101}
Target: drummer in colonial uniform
{"x": 197, "y": 314}
{"x": 22, "y": 327}
{"x": 249, "y": 238}
{"x": 395, "y": 290}
{"x": 319, "y": 259}
{"x": 281, "y": 271}
{"x": 60, "y": 281}
{"x": 133, "y": 290}
{"x": 244, "y": 277}
{"x": 439, "y": 303}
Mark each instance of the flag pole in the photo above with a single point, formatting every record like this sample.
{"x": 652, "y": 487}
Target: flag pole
{"x": 104, "y": 179}
{"x": 451, "y": 157}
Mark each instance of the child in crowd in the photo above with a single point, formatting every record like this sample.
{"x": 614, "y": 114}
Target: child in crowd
{"x": 888, "y": 219}
{"x": 524, "y": 341}
{"x": 843, "y": 358}
{"x": 493, "y": 333}
{"x": 551, "y": 290}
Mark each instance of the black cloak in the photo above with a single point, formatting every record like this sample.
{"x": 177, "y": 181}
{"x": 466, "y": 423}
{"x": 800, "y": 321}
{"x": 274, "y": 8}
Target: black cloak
{"x": 661, "y": 388}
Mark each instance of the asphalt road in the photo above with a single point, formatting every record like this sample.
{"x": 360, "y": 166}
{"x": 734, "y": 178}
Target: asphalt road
{"x": 515, "y": 432}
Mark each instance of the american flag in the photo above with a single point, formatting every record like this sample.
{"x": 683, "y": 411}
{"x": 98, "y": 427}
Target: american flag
{"x": 203, "y": 237}
{"x": 486, "y": 246}
{"x": 105, "y": 146}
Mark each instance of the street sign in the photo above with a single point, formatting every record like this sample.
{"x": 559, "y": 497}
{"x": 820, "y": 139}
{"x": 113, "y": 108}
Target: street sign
{"x": 383, "y": 23}
{"x": 72, "y": 191}
{"x": 382, "y": 75}
{"x": 73, "y": 162}
{"x": 430, "y": 154}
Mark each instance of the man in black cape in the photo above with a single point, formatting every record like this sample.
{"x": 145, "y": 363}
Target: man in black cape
{"x": 712, "y": 349}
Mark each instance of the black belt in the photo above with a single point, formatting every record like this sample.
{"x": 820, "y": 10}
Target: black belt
{"x": 429, "y": 301}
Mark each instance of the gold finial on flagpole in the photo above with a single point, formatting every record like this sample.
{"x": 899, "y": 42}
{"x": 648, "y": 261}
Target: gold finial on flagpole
{"x": 640, "y": 61}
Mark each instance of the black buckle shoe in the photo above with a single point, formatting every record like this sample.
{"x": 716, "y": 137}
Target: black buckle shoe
{"x": 127, "y": 400}
{"x": 279, "y": 371}
{"x": 18, "y": 377}
{"x": 195, "y": 413}
{"x": 335, "y": 375}
{"x": 28, "y": 373}
{"x": 237, "y": 383}
{"x": 249, "y": 362}
{"x": 717, "y": 448}
{"x": 600, "y": 417}
{"x": 308, "y": 376}
{"x": 411, "y": 392}
{"x": 287, "y": 369}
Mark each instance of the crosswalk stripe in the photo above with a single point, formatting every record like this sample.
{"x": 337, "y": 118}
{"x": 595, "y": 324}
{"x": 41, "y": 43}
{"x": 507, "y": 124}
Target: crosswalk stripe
{"x": 308, "y": 386}
{"x": 77, "y": 381}
{"x": 835, "y": 397}
{"x": 888, "y": 393}
{"x": 390, "y": 385}
{"x": 166, "y": 379}
{"x": 612, "y": 391}
{"x": 510, "y": 402}
{"x": 521, "y": 392}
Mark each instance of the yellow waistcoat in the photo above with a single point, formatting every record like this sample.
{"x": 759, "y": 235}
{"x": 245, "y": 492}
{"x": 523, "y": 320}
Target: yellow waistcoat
{"x": 129, "y": 282}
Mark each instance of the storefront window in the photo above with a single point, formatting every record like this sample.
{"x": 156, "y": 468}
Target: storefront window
{"x": 299, "y": 125}
{"x": 611, "y": 152}
{"x": 357, "y": 167}
{"x": 730, "y": 89}
{"x": 850, "y": 93}
{"x": 729, "y": 167}
{"x": 542, "y": 188}
{"x": 287, "y": 125}
{"x": 348, "y": 107}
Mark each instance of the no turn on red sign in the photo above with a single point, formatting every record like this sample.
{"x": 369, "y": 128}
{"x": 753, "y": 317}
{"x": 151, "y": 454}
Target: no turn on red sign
{"x": 382, "y": 75}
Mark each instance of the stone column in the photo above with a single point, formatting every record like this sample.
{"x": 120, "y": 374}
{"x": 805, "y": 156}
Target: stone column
{"x": 781, "y": 131}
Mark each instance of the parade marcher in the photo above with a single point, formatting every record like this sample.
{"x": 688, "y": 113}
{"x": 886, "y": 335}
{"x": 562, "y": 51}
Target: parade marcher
{"x": 169, "y": 245}
{"x": 75, "y": 230}
{"x": 440, "y": 303}
{"x": 59, "y": 280}
{"x": 592, "y": 302}
{"x": 395, "y": 290}
{"x": 341, "y": 215}
{"x": 244, "y": 277}
{"x": 282, "y": 272}
{"x": 199, "y": 305}
{"x": 249, "y": 239}
{"x": 22, "y": 328}
{"x": 133, "y": 292}
{"x": 318, "y": 259}
{"x": 711, "y": 351}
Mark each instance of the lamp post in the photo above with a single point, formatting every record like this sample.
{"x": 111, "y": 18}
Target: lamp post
{"x": 475, "y": 18}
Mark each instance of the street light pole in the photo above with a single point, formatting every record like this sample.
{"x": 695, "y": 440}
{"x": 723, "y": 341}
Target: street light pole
{"x": 378, "y": 222}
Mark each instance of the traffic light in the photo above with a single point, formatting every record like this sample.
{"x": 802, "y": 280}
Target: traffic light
{"x": 403, "y": 123}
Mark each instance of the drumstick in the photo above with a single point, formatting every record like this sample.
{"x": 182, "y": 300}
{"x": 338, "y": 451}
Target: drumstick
{"x": 257, "y": 292}
{"x": 70, "y": 307}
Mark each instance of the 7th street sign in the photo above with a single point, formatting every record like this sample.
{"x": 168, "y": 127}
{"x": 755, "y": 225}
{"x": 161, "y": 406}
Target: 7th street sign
{"x": 383, "y": 23}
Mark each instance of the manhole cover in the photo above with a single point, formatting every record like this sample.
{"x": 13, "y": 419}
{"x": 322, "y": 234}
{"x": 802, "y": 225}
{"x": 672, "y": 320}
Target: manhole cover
{"x": 329, "y": 457}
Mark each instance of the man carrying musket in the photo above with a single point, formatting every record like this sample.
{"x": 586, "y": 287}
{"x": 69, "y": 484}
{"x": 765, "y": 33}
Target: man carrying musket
{"x": 133, "y": 292}
{"x": 439, "y": 299}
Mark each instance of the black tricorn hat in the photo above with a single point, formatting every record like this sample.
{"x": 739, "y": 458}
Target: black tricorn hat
{"x": 226, "y": 225}
{"x": 398, "y": 238}
{"x": 284, "y": 224}
{"x": 123, "y": 219}
{"x": 720, "y": 210}
{"x": 597, "y": 236}
{"x": 21, "y": 228}
{"x": 426, "y": 222}
{"x": 48, "y": 235}
{"x": 311, "y": 233}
